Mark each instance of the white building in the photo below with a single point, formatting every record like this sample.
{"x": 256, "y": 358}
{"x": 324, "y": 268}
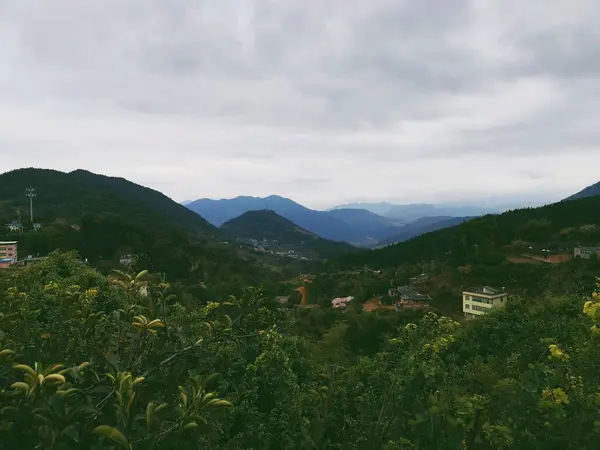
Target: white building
{"x": 480, "y": 300}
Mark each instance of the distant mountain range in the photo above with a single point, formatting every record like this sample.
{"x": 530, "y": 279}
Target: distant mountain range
{"x": 409, "y": 213}
{"x": 359, "y": 227}
{"x": 561, "y": 225}
{"x": 272, "y": 232}
{"x": 590, "y": 191}
{"x": 354, "y": 226}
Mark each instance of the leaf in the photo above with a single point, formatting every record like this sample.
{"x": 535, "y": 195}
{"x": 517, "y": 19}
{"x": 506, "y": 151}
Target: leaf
{"x": 20, "y": 385}
{"x": 220, "y": 403}
{"x": 25, "y": 368}
{"x": 56, "y": 378}
{"x": 190, "y": 426}
{"x": 149, "y": 413}
{"x": 113, "y": 434}
{"x": 141, "y": 274}
{"x": 72, "y": 432}
{"x": 53, "y": 368}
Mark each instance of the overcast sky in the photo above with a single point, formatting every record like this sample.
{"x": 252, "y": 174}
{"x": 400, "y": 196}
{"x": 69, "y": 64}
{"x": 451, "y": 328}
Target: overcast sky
{"x": 323, "y": 101}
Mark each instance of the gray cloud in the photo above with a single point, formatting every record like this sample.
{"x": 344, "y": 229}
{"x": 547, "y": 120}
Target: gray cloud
{"x": 400, "y": 100}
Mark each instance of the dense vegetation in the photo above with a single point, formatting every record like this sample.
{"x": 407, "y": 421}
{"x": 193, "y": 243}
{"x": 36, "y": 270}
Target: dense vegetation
{"x": 95, "y": 362}
{"x": 281, "y": 234}
{"x": 104, "y": 218}
{"x": 563, "y": 224}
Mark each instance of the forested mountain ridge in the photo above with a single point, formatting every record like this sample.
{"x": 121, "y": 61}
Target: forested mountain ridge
{"x": 277, "y": 233}
{"x": 422, "y": 226}
{"x": 357, "y": 227}
{"x": 104, "y": 218}
{"x": 60, "y": 194}
{"x": 563, "y": 224}
{"x": 266, "y": 224}
{"x": 590, "y": 191}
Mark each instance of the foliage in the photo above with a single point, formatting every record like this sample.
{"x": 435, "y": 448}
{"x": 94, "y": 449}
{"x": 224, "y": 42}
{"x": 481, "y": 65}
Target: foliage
{"x": 559, "y": 224}
{"x": 96, "y": 362}
{"x": 104, "y": 218}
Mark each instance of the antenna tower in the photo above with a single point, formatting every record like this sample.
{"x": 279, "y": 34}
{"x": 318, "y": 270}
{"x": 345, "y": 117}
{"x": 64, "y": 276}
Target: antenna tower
{"x": 30, "y": 192}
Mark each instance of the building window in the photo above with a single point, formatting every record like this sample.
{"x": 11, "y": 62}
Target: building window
{"x": 480, "y": 308}
{"x": 467, "y": 306}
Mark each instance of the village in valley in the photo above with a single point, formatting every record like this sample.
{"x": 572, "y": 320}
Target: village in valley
{"x": 476, "y": 301}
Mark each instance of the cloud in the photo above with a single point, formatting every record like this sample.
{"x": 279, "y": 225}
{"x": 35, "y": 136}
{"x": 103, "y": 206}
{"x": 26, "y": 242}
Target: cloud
{"x": 326, "y": 102}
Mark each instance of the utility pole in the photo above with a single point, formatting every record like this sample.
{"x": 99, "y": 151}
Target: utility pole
{"x": 30, "y": 192}
{"x": 477, "y": 249}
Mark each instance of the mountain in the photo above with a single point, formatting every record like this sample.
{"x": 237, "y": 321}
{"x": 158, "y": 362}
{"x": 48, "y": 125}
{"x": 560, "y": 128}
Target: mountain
{"x": 590, "y": 191}
{"x": 104, "y": 218}
{"x": 422, "y": 226}
{"x": 558, "y": 225}
{"x": 355, "y": 227}
{"x": 409, "y": 213}
{"x": 273, "y": 232}
{"x": 362, "y": 218}
{"x": 380, "y": 208}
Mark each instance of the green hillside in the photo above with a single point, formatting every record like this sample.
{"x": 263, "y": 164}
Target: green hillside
{"x": 90, "y": 362}
{"x": 279, "y": 234}
{"x": 563, "y": 224}
{"x": 104, "y": 218}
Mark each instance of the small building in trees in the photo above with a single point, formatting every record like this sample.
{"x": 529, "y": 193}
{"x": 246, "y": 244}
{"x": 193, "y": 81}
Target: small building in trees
{"x": 341, "y": 302}
{"x": 407, "y": 297}
{"x": 586, "y": 252}
{"x": 478, "y": 301}
{"x": 8, "y": 253}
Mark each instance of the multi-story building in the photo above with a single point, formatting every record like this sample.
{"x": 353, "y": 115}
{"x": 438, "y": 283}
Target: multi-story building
{"x": 586, "y": 252}
{"x": 480, "y": 300}
{"x": 8, "y": 253}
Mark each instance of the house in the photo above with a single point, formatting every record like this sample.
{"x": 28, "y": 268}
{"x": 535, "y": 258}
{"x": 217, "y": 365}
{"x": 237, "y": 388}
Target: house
{"x": 406, "y": 293}
{"x": 341, "y": 302}
{"x": 31, "y": 260}
{"x": 586, "y": 252}
{"x": 15, "y": 226}
{"x": 480, "y": 300}
{"x": 126, "y": 260}
{"x": 8, "y": 253}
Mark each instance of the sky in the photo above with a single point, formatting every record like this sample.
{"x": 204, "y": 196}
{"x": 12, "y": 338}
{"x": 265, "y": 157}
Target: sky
{"x": 322, "y": 101}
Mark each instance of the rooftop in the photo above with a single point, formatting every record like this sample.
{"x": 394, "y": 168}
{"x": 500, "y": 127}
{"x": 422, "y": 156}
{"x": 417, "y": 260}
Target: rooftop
{"x": 486, "y": 290}
{"x": 8, "y": 242}
{"x": 410, "y": 294}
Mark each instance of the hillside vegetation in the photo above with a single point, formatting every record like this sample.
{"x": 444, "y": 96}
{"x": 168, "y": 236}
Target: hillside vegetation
{"x": 104, "y": 218}
{"x": 279, "y": 234}
{"x": 559, "y": 224}
{"x": 90, "y": 362}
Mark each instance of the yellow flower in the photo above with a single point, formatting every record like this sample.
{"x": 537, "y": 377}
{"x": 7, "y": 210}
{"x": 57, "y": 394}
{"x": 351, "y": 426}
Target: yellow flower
{"x": 587, "y": 306}
{"x": 557, "y": 353}
{"x": 557, "y": 396}
{"x": 91, "y": 293}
